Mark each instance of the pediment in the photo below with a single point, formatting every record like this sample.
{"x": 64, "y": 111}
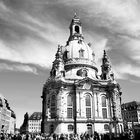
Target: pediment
{"x": 88, "y": 80}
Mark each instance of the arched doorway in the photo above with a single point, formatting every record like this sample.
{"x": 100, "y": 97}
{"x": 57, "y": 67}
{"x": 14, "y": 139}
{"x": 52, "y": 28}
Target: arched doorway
{"x": 89, "y": 129}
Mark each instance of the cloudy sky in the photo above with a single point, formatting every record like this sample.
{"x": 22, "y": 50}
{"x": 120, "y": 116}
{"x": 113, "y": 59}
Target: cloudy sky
{"x": 30, "y": 31}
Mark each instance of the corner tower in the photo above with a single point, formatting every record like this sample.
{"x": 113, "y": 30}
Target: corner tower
{"x": 107, "y": 73}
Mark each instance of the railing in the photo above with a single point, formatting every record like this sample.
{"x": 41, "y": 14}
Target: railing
{"x": 80, "y": 61}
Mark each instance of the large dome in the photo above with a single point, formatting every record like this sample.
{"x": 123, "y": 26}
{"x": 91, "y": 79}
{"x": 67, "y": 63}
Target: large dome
{"x": 75, "y": 60}
{"x": 79, "y": 53}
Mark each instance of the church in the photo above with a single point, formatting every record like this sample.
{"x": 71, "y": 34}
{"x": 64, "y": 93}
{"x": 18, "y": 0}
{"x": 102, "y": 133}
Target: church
{"x": 75, "y": 98}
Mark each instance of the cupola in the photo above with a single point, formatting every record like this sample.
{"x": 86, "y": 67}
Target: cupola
{"x": 75, "y": 29}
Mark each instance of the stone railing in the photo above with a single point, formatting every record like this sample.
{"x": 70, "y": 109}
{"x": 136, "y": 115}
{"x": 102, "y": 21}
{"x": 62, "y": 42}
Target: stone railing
{"x": 80, "y": 61}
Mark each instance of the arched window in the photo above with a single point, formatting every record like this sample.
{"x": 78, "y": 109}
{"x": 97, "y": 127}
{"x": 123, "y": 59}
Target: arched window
{"x": 88, "y": 106}
{"x": 70, "y": 127}
{"x": 69, "y": 106}
{"x": 69, "y": 100}
{"x": 121, "y": 128}
{"x": 103, "y": 101}
{"x": 93, "y": 55}
{"x": 53, "y": 106}
{"x": 77, "y": 29}
{"x": 65, "y": 55}
{"x": 104, "y": 107}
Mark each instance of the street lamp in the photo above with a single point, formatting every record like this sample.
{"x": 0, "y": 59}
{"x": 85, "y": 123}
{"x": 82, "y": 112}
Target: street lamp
{"x": 75, "y": 109}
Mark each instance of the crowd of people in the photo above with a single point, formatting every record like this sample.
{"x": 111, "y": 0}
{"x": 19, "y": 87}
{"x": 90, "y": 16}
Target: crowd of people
{"x": 94, "y": 136}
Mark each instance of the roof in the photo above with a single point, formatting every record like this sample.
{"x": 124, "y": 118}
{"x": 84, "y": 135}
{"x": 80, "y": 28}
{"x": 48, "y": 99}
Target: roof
{"x": 36, "y": 116}
{"x": 131, "y": 103}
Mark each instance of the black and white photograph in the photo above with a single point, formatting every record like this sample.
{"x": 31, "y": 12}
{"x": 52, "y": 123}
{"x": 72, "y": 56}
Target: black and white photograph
{"x": 69, "y": 69}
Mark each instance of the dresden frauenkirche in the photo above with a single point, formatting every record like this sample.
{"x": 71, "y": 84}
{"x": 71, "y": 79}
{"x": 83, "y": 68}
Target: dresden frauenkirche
{"x": 75, "y": 98}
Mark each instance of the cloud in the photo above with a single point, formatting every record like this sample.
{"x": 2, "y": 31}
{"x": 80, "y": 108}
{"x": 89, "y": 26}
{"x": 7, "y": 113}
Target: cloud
{"x": 3, "y": 7}
{"x": 123, "y": 70}
{"x": 133, "y": 46}
{"x": 31, "y": 29}
{"x": 32, "y": 53}
{"x": 27, "y": 39}
{"x": 18, "y": 68}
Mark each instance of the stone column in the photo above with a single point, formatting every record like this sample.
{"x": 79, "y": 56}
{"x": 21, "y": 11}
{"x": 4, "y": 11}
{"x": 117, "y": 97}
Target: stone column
{"x": 93, "y": 104}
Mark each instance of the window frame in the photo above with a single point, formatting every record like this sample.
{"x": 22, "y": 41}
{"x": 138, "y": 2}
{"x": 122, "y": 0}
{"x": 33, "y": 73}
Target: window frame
{"x": 88, "y": 105}
{"x": 69, "y": 106}
{"x": 104, "y": 107}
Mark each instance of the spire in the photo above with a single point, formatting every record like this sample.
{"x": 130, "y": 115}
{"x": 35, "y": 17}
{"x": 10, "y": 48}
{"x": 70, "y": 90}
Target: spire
{"x": 59, "y": 53}
{"x": 106, "y": 68}
{"x": 105, "y": 59}
{"x": 58, "y": 65}
{"x": 75, "y": 16}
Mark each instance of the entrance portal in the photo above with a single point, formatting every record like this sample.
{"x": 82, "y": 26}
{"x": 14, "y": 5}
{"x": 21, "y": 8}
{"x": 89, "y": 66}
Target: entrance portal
{"x": 89, "y": 129}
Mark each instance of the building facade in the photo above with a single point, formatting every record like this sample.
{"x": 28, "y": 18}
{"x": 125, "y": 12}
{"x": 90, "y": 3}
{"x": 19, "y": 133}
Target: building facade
{"x": 131, "y": 114}
{"x": 34, "y": 123}
{"x": 7, "y": 117}
{"x": 75, "y": 99}
{"x": 12, "y": 123}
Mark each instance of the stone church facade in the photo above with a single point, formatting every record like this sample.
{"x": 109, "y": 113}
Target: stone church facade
{"x": 75, "y": 99}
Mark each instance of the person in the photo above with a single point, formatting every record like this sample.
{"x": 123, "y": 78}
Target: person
{"x": 82, "y": 136}
{"x": 96, "y": 136}
{"x": 75, "y": 137}
{"x": 2, "y": 136}
{"x": 19, "y": 137}
{"x": 61, "y": 137}
{"x": 54, "y": 136}
{"x": 38, "y": 137}
{"x": 131, "y": 135}
{"x": 27, "y": 137}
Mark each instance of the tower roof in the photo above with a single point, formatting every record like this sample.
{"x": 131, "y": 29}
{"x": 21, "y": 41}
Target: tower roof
{"x": 105, "y": 58}
{"x": 36, "y": 116}
{"x": 75, "y": 16}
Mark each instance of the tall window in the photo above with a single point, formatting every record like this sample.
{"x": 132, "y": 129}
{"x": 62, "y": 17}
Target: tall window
{"x": 81, "y": 53}
{"x": 53, "y": 106}
{"x": 104, "y": 107}
{"x": 88, "y": 106}
{"x": 69, "y": 106}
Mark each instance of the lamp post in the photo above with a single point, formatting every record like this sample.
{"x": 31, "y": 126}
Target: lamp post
{"x": 74, "y": 109}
